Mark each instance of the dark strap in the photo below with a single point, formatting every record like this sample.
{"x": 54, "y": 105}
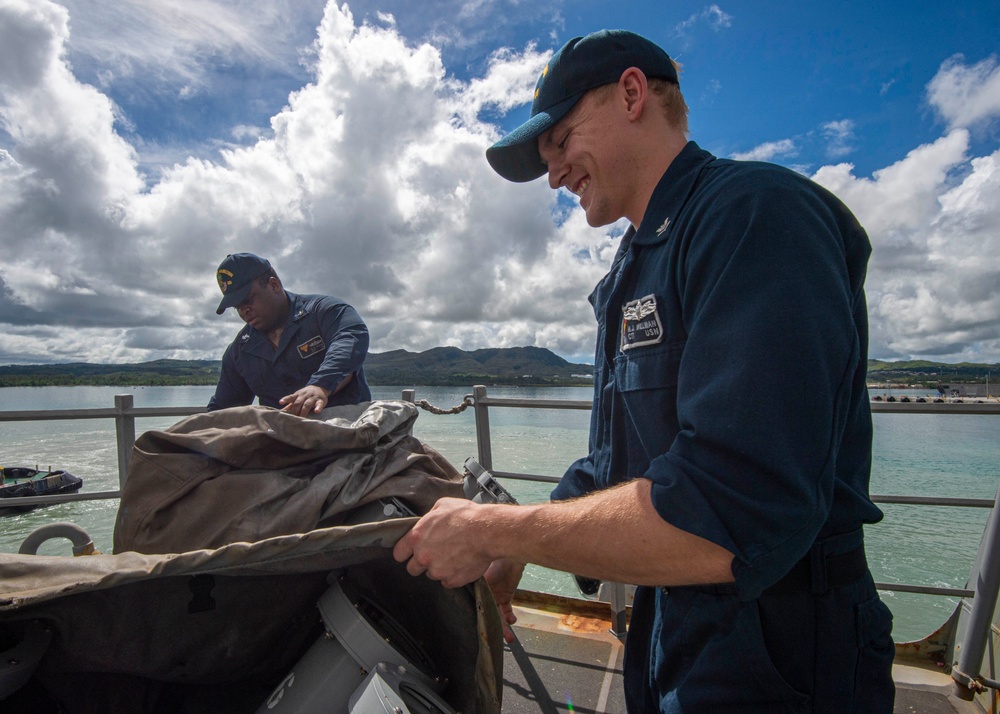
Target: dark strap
{"x": 817, "y": 573}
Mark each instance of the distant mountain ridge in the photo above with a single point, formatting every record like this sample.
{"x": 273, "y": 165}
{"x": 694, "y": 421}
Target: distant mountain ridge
{"x": 440, "y": 366}
{"x": 157, "y": 373}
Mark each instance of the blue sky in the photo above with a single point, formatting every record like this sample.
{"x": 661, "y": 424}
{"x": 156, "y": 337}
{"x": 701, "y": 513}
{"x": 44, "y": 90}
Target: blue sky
{"x": 142, "y": 141}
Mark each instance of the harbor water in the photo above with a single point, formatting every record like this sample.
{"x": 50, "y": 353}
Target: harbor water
{"x": 926, "y": 455}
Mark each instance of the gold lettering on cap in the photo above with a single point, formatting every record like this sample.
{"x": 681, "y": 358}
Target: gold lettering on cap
{"x": 538, "y": 86}
{"x": 223, "y": 281}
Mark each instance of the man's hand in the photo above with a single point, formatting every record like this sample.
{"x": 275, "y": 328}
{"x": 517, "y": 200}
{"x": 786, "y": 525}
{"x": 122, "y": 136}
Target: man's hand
{"x": 503, "y": 577}
{"x": 448, "y": 544}
{"x": 310, "y": 399}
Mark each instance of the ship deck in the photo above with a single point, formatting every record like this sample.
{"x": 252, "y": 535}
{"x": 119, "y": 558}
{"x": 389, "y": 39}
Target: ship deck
{"x": 563, "y": 662}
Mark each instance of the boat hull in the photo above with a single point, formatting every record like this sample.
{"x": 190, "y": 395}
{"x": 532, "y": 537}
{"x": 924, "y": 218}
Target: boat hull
{"x": 22, "y": 482}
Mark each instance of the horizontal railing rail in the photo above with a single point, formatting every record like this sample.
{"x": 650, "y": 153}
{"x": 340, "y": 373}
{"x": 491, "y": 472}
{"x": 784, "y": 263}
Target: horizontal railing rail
{"x": 132, "y": 412}
{"x": 124, "y": 414}
{"x": 969, "y": 407}
{"x": 55, "y": 498}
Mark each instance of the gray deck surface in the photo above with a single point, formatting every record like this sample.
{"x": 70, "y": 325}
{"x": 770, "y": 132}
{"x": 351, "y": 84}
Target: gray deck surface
{"x": 550, "y": 672}
{"x": 553, "y": 668}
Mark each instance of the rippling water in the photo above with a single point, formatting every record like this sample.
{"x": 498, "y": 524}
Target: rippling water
{"x": 942, "y": 455}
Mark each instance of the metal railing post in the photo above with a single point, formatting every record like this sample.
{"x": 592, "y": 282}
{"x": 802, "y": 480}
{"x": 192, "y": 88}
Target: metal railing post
{"x": 616, "y": 595}
{"x": 124, "y": 434}
{"x": 987, "y": 586}
{"x": 482, "y": 412}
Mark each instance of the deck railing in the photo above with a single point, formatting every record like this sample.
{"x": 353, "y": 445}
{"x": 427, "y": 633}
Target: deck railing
{"x": 983, "y": 596}
{"x": 125, "y": 414}
{"x": 482, "y": 403}
{"x": 977, "y": 637}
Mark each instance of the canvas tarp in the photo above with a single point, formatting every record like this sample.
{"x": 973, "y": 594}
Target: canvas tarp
{"x": 129, "y": 634}
{"x": 214, "y": 628}
{"x": 249, "y": 473}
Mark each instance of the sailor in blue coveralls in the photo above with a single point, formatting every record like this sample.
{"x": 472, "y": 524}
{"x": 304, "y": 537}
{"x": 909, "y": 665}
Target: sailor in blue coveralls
{"x": 730, "y": 439}
{"x": 299, "y": 353}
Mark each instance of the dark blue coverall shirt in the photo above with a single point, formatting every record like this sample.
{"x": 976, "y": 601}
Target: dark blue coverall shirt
{"x": 324, "y": 341}
{"x": 730, "y": 372}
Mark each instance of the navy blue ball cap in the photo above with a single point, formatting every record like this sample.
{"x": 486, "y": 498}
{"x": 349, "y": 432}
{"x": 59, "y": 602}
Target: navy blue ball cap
{"x": 582, "y": 64}
{"x": 236, "y": 275}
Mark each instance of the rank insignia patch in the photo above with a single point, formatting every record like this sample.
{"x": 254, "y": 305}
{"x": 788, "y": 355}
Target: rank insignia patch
{"x": 641, "y": 323}
{"x": 308, "y": 349}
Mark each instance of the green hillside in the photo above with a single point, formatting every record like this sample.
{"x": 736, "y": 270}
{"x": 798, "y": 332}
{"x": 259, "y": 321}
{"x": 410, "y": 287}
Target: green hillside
{"x": 446, "y": 366}
{"x": 928, "y": 374}
{"x": 158, "y": 373}
{"x": 440, "y": 366}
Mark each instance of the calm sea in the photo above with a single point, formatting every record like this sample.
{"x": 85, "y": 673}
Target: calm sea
{"x": 942, "y": 455}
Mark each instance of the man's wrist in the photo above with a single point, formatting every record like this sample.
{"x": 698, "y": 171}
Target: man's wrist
{"x": 326, "y": 392}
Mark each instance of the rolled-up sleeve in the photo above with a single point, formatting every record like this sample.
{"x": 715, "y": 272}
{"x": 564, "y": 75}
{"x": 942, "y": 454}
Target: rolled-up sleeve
{"x": 763, "y": 384}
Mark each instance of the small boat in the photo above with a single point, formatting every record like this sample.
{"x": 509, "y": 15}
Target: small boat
{"x": 23, "y": 481}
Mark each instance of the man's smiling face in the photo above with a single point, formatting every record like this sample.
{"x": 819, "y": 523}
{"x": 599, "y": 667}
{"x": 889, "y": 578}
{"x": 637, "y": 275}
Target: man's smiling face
{"x": 581, "y": 152}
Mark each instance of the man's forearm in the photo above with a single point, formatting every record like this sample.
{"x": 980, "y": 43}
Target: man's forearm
{"x": 615, "y": 535}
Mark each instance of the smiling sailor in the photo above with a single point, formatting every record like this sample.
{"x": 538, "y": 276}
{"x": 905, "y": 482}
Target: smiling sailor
{"x": 730, "y": 438}
{"x": 299, "y": 353}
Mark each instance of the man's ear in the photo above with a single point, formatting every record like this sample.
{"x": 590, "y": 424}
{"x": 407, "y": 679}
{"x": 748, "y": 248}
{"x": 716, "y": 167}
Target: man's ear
{"x": 635, "y": 90}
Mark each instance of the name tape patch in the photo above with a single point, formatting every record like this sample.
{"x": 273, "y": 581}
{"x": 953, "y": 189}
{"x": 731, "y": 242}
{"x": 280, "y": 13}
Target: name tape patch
{"x": 307, "y": 349}
{"x": 641, "y": 324}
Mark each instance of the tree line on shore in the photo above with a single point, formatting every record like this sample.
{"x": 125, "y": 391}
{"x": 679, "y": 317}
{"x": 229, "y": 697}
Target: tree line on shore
{"x": 440, "y": 366}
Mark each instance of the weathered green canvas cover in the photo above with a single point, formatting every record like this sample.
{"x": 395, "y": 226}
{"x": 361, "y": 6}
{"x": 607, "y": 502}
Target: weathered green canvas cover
{"x": 248, "y": 473}
{"x": 215, "y": 629}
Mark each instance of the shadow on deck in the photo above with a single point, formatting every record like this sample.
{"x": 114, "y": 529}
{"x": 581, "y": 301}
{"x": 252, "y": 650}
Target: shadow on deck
{"x": 571, "y": 663}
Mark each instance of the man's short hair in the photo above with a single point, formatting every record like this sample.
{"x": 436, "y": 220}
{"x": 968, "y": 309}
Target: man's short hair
{"x": 265, "y": 277}
{"x": 671, "y": 101}
{"x": 668, "y": 98}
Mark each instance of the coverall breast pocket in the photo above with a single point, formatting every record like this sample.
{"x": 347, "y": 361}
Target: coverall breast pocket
{"x": 647, "y": 379}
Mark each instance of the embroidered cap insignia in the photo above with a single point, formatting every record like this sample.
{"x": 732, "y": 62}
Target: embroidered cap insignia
{"x": 225, "y": 278}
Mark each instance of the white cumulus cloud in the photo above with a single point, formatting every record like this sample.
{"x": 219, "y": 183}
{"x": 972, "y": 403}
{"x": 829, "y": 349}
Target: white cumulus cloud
{"x": 767, "y": 151}
{"x": 369, "y": 182}
{"x": 966, "y": 95}
{"x": 934, "y": 277}
{"x": 372, "y": 186}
